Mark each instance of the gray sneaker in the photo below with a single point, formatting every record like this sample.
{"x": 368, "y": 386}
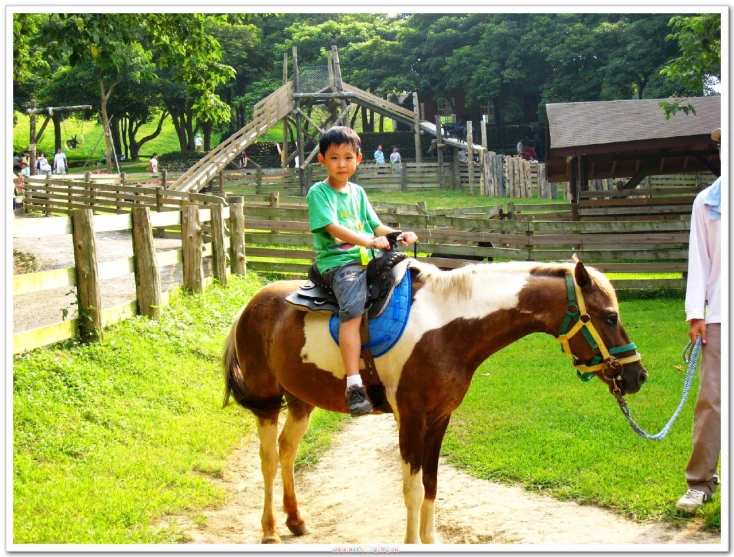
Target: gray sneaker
{"x": 692, "y": 500}
{"x": 357, "y": 401}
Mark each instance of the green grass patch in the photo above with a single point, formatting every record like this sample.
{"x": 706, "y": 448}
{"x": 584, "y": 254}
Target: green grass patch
{"x": 110, "y": 436}
{"x": 451, "y": 199}
{"x": 528, "y": 419}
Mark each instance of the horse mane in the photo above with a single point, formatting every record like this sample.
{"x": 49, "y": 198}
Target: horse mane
{"x": 459, "y": 281}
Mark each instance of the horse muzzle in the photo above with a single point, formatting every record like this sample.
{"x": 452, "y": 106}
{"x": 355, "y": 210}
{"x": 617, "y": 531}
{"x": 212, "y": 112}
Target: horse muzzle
{"x": 624, "y": 379}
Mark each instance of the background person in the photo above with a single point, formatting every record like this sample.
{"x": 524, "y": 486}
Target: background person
{"x": 153, "y": 163}
{"x": 60, "y": 162}
{"x": 395, "y": 160}
{"x": 703, "y": 313}
{"x": 379, "y": 155}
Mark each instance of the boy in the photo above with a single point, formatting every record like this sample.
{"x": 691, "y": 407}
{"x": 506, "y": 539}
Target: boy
{"x": 345, "y": 225}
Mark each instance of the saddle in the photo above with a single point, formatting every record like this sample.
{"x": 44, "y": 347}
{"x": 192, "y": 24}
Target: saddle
{"x": 384, "y": 273}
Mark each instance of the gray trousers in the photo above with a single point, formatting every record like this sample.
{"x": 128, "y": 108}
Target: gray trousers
{"x": 701, "y": 469}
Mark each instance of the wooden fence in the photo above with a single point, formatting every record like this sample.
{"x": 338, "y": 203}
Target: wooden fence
{"x": 106, "y": 193}
{"x": 279, "y": 239}
{"x": 223, "y": 243}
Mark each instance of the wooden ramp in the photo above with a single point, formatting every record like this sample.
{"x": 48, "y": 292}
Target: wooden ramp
{"x": 382, "y": 106}
{"x": 430, "y": 127}
{"x": 268, "y": 112}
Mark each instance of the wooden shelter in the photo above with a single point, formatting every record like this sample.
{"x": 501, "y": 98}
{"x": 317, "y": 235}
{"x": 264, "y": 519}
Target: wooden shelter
{"x": 629, "y": 139}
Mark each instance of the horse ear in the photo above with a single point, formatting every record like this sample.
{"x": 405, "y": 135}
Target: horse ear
{"x": 575, "y": 258}
{"x": 581, "y": 275}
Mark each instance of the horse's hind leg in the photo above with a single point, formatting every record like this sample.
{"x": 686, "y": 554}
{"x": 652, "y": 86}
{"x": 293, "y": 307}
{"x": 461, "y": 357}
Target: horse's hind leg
{"x": 267, "y": 430}
{"x": 296, "y": 424}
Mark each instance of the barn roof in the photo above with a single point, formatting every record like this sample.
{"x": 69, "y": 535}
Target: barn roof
{"x": 618, "y": 137}
{"x": 595, "y": 123}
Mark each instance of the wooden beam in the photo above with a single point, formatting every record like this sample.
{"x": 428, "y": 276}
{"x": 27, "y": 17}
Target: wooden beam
{"x": 714, "y": 169}
{"x": 639, "y": 176}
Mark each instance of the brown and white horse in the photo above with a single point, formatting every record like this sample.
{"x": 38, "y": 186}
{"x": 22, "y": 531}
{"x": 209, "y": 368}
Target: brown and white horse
{"x": 457, "y": 320}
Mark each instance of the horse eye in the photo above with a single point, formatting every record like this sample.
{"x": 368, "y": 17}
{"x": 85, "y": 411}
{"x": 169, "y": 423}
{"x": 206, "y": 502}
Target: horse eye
{"x": 612, "y": 319}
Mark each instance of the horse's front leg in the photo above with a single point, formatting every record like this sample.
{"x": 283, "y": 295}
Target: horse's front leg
{"x": 267, "y": 430}
{"x": 431, "y": 452}
{"x": 296, "y": 424}
{"x": 411, "y": 435}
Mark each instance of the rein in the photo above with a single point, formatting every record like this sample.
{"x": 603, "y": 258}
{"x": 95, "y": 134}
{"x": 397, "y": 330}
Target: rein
{"x": 605, "y": 360}
{"x": 692, "y": 361}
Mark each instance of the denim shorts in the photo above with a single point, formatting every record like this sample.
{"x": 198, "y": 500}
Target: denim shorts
{"x": 349, "y": 283}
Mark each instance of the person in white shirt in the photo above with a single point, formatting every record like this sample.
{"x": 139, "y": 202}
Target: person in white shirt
{"x": 153, "y": 163}
{"x": 198, "y": 142}
{"x": 60, "y": 163}
{"x": 395, "y": 160}
{"x": 703, "y": 313}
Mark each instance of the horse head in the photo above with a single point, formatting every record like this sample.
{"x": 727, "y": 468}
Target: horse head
{"x": 592, "y": 334}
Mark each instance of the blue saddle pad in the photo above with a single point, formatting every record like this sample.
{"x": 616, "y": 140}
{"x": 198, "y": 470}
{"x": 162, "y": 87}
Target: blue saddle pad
{"x": 387, "y": 328}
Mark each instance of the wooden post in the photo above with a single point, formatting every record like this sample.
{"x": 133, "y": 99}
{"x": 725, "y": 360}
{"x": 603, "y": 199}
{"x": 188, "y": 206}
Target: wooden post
{"x": 509, "y": 182}
{"x": 237, "y": 260}
{"x": 470, "y": 152}
{"x": 87, "y": 276}
{"x": 483, "y": 130}
{"x": 219, "y": 253}
{"x": 48, "y": 196}
{"x": 456, "y": 167}
{"x": 32, "y": 146}
{"x": 439, "y": 152}
{"x": 299, "y": 125}
{"x": 164, "y": 179}
{"x": 417, "y": 126}
{"x": 220, "y": 177}
{"x": 147, "y": 277}
{"x": 191, "y": 238}
{"x": 403, "y": 175}
{"x": 88, "y": 186}
{"x": 284, "y": 152}
{"x": 258, "y": 180}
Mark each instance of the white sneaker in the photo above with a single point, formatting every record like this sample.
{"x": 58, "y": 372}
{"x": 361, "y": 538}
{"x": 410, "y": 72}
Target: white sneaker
{"x": 692, "y": 500}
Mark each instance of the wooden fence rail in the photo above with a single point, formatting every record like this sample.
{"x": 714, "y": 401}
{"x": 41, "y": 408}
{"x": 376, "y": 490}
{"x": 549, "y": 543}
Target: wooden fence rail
{"x": 145, "y": 263}
{"x": 653, "y": 246}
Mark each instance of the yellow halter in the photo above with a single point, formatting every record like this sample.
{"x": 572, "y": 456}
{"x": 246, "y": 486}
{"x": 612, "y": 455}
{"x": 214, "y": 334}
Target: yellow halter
{"x": 605, "y": 361}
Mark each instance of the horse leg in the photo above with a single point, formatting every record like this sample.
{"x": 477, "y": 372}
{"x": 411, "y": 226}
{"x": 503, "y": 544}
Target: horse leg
{"x": 267, "y": 430}
{"x": 431, "y": 453}
{"x": 411, "y": 451}
{"x": 296, "y": 424}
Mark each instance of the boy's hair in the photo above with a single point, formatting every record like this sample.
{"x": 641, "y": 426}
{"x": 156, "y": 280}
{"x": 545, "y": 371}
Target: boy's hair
{"x": 340, "y": 135}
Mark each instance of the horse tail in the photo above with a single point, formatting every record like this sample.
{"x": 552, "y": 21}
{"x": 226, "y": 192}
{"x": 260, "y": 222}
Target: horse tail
{"x": 235, "y": 385}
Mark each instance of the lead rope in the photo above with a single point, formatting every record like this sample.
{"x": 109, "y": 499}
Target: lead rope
{"x": 692, "y": 361}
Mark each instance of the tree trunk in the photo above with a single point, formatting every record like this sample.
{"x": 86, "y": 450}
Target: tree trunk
{"x": 207, "y": 127}
{"x": 57, "y": 130}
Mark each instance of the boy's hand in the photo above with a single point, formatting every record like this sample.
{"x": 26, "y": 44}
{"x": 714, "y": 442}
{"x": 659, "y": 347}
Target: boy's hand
{"x": 698, "y": 327}
{"x": 407, "y": 238}
{"x": 380, "y": 242}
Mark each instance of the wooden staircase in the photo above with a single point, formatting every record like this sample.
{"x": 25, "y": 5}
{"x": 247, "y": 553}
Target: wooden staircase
{"x": 268, "y": 112}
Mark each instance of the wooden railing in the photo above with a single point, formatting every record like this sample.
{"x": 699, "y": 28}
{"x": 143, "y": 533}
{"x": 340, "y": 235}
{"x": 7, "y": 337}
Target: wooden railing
{"x": 146, "y": 263}
{"x": 106, "y": 194}
{"x": 268, "y": 112}
{"x": 279, "y": 239}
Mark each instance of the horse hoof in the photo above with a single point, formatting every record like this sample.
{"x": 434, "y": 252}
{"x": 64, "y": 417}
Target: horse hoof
{"x": 271, "y": 539}
{"x": 299, "y": 529}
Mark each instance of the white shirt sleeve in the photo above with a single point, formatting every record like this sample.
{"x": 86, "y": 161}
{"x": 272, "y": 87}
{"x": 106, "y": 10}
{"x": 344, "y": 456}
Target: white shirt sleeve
{"x": 699, "y": 261}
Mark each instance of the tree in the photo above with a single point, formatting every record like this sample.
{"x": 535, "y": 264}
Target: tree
{"x": 114, "y": 44}
{"x": 698, "y": 67}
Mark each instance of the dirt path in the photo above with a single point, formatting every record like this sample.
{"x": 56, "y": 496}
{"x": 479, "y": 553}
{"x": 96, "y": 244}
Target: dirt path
{"x": 366, "y": 506}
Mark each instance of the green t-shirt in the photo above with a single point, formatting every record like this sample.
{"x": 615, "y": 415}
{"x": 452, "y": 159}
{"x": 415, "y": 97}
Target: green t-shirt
{"x": 349, "y": 208}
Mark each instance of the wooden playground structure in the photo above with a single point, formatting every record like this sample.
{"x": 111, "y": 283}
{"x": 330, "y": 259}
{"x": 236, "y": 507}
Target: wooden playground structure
{"x": 290, "y": 103}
